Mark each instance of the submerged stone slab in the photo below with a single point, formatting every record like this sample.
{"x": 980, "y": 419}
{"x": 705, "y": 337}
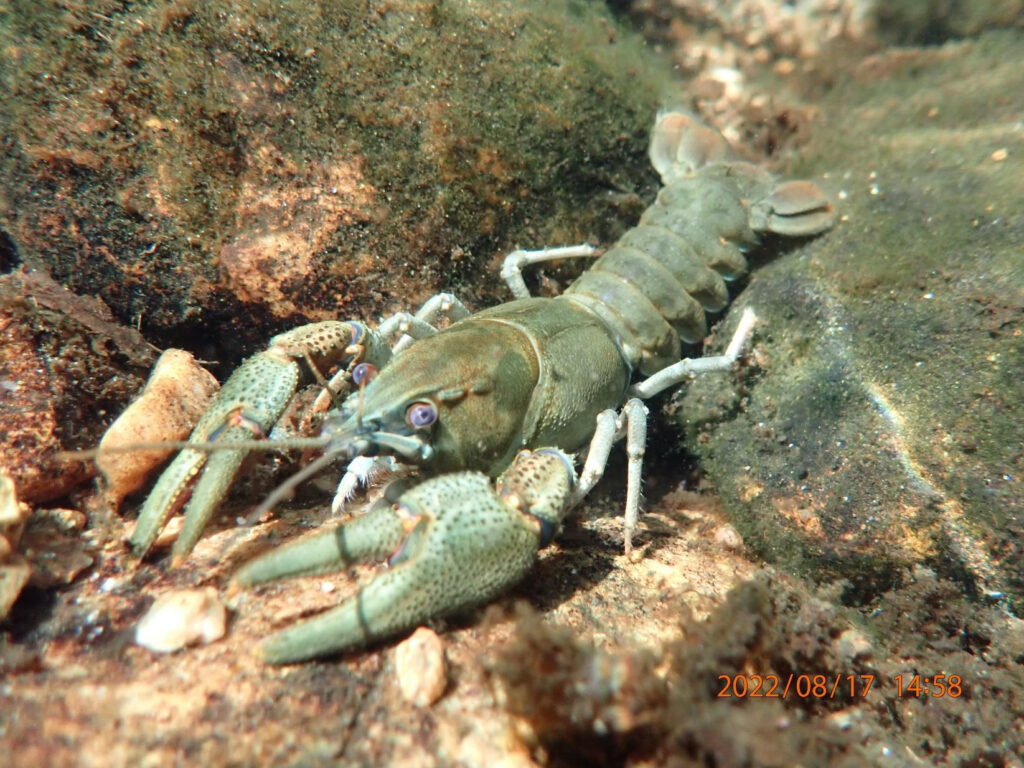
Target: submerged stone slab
{"x": 238, "y": 168}
{"x": 882, "y": 424}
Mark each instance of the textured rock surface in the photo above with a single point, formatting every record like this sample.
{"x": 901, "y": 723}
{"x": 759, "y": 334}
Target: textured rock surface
{"x": 66, "y": 369}
{"x": 621, "y": 659}
{"x": 240, "y": 168}
{"x": 175, "y": 396}
{"x": 882, "y": 426}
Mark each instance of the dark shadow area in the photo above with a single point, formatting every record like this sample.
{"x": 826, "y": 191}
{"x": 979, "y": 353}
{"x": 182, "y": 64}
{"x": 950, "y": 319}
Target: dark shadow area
{"x": 9, "y": 258}
{"x": 33, "y": 608}
{"x": 585, "y": 559}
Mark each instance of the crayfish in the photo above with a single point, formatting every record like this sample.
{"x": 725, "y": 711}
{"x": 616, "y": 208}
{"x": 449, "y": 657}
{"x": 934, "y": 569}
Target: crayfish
{"x": 507, "y": 393}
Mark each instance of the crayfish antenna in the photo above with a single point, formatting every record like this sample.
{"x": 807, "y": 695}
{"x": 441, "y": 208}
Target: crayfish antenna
{"x": 284, "y": 444}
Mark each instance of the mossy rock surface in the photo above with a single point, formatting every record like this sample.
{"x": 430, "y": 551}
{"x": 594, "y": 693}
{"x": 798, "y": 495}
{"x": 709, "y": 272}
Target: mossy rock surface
{"x": 882, "y": 427}
{"x": 239, "y": 168}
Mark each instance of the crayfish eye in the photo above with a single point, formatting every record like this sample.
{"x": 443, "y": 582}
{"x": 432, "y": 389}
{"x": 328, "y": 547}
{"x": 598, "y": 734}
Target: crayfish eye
{"x": 421, "y": 415}
{"x": 363, "y": 373}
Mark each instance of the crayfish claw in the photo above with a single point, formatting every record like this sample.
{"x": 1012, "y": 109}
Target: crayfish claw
{"x": 453, "y": 542}
{"x": 246, "y": 408}
{"x": 212, "y": 485}
{"x": 366, "y": 538}
{"x": 168, "y": 496}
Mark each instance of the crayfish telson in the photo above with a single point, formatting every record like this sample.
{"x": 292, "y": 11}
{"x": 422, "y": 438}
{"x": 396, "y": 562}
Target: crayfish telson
{"x": 504, "y": 393}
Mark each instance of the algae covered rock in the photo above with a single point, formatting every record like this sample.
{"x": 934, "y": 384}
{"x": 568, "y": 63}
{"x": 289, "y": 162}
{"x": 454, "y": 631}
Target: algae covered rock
{"x": 882, "y": 427}
{"x": 66, "y": 368}
{"x": 242, "y": 167}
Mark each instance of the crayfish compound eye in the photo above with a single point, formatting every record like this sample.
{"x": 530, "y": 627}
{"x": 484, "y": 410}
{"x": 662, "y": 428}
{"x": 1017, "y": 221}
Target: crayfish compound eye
{"x": 420, "y": 415}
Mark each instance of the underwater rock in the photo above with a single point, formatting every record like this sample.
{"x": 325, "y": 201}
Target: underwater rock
{"x": 14, "y": 571}
{"x": 933, "y": 22}
{"x": 881, "y": 426}
{"x": 176, "y": 394}
{"x": 239, "y": 168}
{"x": 575, "y": 699}
{"x": 55, "y": 547}
{"x": 181, "y": 618}
{"x": 65, "y": 369}
{"x": 421, "y": 667}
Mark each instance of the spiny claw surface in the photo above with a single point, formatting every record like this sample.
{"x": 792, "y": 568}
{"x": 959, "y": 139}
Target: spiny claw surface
{"x": 454, "y": 541}
{"x": 247, "y": 407}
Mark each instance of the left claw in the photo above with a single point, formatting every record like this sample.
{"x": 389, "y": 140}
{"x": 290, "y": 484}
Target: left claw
{"x": 454, "y": 542}
{"x": 247, "y": 406}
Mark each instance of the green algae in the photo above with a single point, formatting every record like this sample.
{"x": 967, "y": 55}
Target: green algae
{"x": 885, "y": 430}
{"x": 452, "y": 131}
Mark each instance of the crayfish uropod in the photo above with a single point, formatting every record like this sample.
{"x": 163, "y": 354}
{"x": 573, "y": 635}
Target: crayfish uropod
{"x": 505, "y": 393}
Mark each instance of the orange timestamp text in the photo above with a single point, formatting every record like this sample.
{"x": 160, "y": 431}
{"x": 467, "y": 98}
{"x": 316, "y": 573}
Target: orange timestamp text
{"x": 831, "y": 686}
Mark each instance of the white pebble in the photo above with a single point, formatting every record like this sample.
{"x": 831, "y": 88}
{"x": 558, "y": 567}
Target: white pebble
{"x": 182, "y": 617}
{"x": 853, "y": 645}
{"x": 421, "y": 667}
{"x": 728, "y": 538}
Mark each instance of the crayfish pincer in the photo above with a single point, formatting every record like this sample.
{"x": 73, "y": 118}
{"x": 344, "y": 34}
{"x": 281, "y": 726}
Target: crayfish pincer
{"x": 508, "y": 393}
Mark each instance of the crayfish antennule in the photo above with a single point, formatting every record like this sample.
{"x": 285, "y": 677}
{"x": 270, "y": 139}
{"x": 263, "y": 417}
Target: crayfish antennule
{"x": 284, "y": 490}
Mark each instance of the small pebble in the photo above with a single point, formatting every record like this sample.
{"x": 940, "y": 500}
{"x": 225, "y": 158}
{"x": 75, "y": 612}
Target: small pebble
{"x": 421, "y": 668}
{"x": 170, "y": 532}
{"x": 111, "y": 584}
{"x": 13, "y": 513}
{"x": 728, "y": 538}
{"x": 14, "y": 572}
{"x": 182, "y": 617}
{"x": 851, "y": 645}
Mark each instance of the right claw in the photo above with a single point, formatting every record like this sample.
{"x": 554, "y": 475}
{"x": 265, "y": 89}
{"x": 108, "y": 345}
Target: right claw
{"x": 247, "y": 407}
{"x": 454, "y": 542}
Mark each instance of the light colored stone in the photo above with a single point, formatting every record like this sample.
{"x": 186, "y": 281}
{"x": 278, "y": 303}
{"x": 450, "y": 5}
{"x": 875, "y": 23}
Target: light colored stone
{"x": 421, "y": 667}
{"x": 852, "y": 644}
{"x": 728, "y": 538}
{"x": 13, "y": 578}
{"x": 176, "y": 394}
{"x": 180, "y": 618}
{"x": 13, "y": 513}
{"x": 14, "y": 571}
{"x": 170, "y": 532}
